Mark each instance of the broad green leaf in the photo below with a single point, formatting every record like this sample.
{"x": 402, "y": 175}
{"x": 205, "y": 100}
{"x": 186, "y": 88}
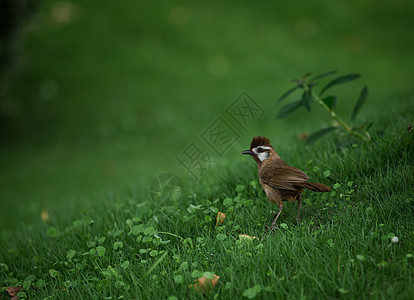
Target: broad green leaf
{"x": 4, "y": 267}
{"x": 240, "y": 188}
{"x": 129, "y": 223}
{"x": 125, "y": 264}
{"x": 21, "y": 294}
{"x": 178, "y": 279}
{"x": 147, "y": 239}
{"x": 27, "y": 284}
{"x": 362, "y": 97}
{"x": 70, "y": 254}
{"x": 31, "y": 278}
{"x": 149, "y": 231}
{"x": 184, "y": 266}
{"x": 156, "y": 241}
{"x": 208, "y": 275}
{"x": 137, "y": 229}
{"x": 53, "y": 273}
{"x": 228, "y": 202}
{"x": 252, "y": 292}
{"x": 307, "y": 99}
{"x": 214, "y": 209}
{"x": 254, "y": 184}
{"x": 196, "y": 274}
{"x": 337, "y": 186}
{"x": 360, "y": 257}
{"x": 40, "y": 283}
{"x": 284, "y": 226}
{"x": 221, "y": 237}
{"x": 100, "y": 250}
{"x": 189, "y": 241}
{"x": 288, "y": 108}
{"x": 287, "y": 93}
{"x": 116, "y": 233}
{"x": 91, "y": 244}
{"x": 330, "y": 101}
{"x": 323, "y": 75}
{"x": 52, "y": 232}
{"x": 340, "y": 80}
{"x": 118, "y": 245}
{"x": 136, "y": 219}
{"x": 315, "y": 136}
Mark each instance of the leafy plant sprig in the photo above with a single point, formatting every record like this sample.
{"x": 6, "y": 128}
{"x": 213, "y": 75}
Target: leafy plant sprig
{"x": 328, "y": 103}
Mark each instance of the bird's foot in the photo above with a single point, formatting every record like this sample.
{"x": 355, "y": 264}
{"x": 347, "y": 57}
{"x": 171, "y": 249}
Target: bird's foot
{"x": 271, "y": 228}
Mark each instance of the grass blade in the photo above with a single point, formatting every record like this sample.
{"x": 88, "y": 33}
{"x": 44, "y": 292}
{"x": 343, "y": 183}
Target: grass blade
{"x": 317, "y": 135}
{"x": 155, "y": 264}
{"x": 287, "y": 93}
{"x": 362, "y": 97}
{"x": 288, "y": 108}
{"x": 340, "y": 80}
{"x": 307, "y": 99}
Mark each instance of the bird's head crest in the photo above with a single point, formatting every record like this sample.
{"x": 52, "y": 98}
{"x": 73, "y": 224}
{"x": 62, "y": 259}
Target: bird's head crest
{"x": 260, "y": 141}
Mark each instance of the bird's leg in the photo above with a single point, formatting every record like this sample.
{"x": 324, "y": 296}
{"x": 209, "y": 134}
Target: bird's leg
{"x": 299, "y": 203}
{"x": 273, "y": 226}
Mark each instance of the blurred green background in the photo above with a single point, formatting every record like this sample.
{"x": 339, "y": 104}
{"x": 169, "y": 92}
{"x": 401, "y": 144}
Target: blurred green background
{"x": 98, "y": 98}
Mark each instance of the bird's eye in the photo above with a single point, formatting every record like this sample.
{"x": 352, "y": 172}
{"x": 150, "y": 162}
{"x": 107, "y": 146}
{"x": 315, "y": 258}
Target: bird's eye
{"x": 260, "y": 150}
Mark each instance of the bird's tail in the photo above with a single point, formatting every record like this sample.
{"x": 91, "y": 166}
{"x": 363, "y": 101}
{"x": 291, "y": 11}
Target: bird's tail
{"x": 313, "y": 186}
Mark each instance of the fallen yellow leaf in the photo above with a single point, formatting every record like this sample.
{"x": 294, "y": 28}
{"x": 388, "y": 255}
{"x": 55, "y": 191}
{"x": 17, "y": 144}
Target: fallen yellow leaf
{"x": 247, "y": 238}
{"x": 220, "y": 218}
{"x": 204, "y": 285}
{"x": 44, "y": 215}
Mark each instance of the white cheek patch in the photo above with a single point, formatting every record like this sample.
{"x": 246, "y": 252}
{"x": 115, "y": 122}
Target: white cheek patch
{"x": 264, "y": 155}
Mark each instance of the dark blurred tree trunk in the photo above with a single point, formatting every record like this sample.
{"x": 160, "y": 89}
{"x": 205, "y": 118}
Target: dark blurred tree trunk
{"x": 13, "y": 15}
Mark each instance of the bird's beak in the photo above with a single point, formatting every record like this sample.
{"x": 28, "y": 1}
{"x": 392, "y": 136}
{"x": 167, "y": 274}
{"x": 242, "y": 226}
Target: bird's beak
{"x": 247, "y": 152}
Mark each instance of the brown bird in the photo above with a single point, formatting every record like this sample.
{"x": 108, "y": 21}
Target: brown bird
{"x": 280, "y": 181}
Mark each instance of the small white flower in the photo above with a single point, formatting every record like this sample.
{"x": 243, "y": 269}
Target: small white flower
{"x": 394, "y": 240}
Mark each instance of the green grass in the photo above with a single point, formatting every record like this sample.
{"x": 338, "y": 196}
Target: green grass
{"x": 341, "y": 249}
{"x": 133, "y": 90}
{"x": 126, "y": 79}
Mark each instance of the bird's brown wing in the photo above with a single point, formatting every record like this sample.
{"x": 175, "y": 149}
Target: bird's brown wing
{"x": 279, "y": 175}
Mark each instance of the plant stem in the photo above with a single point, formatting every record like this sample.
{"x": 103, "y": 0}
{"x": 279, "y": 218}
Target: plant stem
{"x": 337, "y": 119}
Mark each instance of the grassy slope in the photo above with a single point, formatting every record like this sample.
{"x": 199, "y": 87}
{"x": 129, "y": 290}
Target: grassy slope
{"x": 71, "y": 153}
{"x": 341, "y": 248}
{"x": 128, "y": 79}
